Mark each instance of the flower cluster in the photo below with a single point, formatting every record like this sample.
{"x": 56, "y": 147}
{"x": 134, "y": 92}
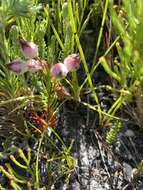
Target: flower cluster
{"x": 33, "y": 63}
{"x": 71, "y": 63}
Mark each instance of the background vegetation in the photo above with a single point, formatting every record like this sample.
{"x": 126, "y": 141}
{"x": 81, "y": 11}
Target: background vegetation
{"x": 31, "y": 148}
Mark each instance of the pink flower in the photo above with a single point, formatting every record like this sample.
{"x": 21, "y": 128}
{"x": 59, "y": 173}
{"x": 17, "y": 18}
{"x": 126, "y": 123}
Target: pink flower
{"x": 18, "y": 66}
{"x": 35, "y": 65}
{"x": 59, "y": 70}
{"x": 29, "y": 49}
{"x": 72, "y": 62}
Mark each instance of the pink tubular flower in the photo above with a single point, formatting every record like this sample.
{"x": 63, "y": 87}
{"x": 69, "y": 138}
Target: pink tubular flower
{"x": 29, "y": 49}
{"x": 18, "y": 66}
{"x": 59, "y": 70}
{"x": 72, "y": 62}
{"x": 34, "y": 65}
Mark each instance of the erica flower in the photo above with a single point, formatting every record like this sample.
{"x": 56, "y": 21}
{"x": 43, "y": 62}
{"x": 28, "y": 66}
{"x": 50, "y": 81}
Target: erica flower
{"x": 61, "y": 91}
{"x": 31, "y": 65}
{"x": 59, "y": 70}
{"x": 29, "y": 49}
{"x": 72, "y": 62}
{"x": 18, "y": 66}
{"x": 35, "y": 65}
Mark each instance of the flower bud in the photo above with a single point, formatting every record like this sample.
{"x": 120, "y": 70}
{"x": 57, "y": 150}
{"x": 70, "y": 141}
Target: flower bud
{"x": 18, "y": 66}
{"x": 29, "y": 49}
{"x": 61, "y": 91}
{"x": 72, "y": 62}
{"x": 35, "y": 65}
{"x": 59, "y": 70}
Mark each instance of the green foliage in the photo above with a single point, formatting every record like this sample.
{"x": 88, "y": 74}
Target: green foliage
{"x": 129, "y": 26}
{"x": 23, "y": 168}
{"x": 112, "y": 135}
{"x": 126, "y": 68}
{"x": 18, "y": 7}
{"x": 15, "y": 178}
{"x": 57, "y": 33}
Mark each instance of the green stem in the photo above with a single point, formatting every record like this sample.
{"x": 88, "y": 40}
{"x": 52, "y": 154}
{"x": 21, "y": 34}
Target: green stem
{"x": 73, "y": 26}
{"x": 98, "y": 63}
{"x": 116, "y": 104}
{"x": 100, "y": 32}
{"x": 37, "y": 162}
